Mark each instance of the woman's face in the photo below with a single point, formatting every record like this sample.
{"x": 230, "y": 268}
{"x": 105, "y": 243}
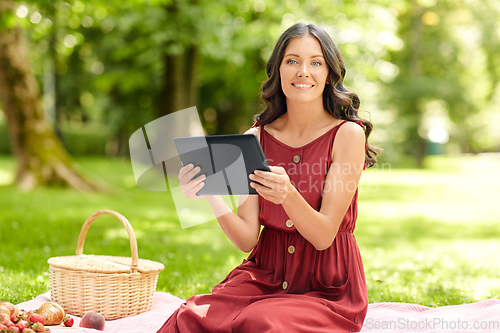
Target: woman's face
{"x": 303, "y": 70}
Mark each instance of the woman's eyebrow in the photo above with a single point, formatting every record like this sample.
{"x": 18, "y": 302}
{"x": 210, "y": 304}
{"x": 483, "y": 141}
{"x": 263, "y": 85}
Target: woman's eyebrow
{"x": 295, "y": 55}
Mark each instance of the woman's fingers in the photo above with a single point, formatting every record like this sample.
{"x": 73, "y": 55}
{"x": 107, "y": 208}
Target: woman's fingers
{"x": 191, "y": 188}
{"x": 270, "y": 181}
{"x": 273, "y": 186}
{"x": 265, "y": 183}
{"x": 264, "y": 188}
{"x": 263, "y": 191}
{"x": 184, "y": 170}
{"x": 187, "y": 173}
{"x": 192, "y": 173}
{"x": 192, "y": 182}
{"x": 189, "y": 185}
{"x": 192, "y": 193}
{"x": 276, "y": 175}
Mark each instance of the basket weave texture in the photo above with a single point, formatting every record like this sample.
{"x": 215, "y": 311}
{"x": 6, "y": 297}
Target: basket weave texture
{"x": 115, "y": 287}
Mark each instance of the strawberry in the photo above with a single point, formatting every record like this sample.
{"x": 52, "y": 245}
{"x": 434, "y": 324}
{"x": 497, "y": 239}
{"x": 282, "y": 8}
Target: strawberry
{"x": 2, "y": 327}
{"x": 36, "y": 318}
{"x": 14, "y": 318}
{"x": 24, "y": 315}
{"x": 68, "y": 321}
{"x": 22, "y": 324}
{"x": 14, "y": 329}
{"x": 8, "y": 323}
{"x": 28, "y": 330}
{"x": 37, "y": 327}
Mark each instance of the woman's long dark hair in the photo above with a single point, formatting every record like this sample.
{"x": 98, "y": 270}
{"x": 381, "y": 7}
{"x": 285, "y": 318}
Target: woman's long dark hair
{"x": 337, "y": 100}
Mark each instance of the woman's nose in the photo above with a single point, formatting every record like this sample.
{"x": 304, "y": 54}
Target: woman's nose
{"x": 303, "y": 71}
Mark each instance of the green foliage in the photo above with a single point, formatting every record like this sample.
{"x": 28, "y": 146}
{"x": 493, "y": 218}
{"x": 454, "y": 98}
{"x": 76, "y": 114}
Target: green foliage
{"x": 7, "y": 19}
{"x": 87, "y": 140}
{"x": 416, "y": 65}
{"x": 425, "y": 236}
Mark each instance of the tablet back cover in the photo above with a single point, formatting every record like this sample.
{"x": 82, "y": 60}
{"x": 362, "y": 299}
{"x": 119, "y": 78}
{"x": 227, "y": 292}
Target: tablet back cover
{"x": 226, "y": 160}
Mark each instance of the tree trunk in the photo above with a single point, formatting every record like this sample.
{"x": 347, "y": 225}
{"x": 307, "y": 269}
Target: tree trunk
{"x": 415, "y": 76}
{"x": 42, "y": 160}
{"x": 180, "y": 88}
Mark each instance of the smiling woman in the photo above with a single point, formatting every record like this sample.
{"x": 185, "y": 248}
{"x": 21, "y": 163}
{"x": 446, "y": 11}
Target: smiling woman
{"x": 304, "y": 56}
{"x": 304, "y": 272}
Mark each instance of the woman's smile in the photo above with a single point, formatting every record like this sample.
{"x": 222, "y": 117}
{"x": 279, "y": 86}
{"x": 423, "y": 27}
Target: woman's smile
{"x": 302, "y": 85}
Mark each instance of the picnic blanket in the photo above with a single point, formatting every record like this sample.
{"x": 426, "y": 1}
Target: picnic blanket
{"x": 483, "y": 316}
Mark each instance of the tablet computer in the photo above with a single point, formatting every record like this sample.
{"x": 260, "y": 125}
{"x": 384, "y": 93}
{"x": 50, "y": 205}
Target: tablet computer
{"x": 226, "y": 160}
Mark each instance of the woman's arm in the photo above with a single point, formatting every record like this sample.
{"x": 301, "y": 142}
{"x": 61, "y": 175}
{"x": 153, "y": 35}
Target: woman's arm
{"x": 242, "y": 228}
{"x": 320, "y": 228}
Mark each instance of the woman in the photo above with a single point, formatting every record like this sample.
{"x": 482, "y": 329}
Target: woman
{"x": 304, "y": 272}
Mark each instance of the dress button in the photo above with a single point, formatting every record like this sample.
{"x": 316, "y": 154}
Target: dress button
{"x": 291, "y": 249}
{"x": 289, "y": 223}
{"x": 284, "y": 285}
{"x": 296, "y": 158}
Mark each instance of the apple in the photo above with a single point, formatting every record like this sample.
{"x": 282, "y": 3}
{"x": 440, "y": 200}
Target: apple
{"x": 93, "y": 320}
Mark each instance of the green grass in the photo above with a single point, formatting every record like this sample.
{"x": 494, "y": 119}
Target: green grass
{"x": 432, "y": 236}
{"x": 426, "y": 236}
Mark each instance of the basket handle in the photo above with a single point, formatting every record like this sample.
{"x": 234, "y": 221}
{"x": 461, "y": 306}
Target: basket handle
{"x": 123, "y": 220}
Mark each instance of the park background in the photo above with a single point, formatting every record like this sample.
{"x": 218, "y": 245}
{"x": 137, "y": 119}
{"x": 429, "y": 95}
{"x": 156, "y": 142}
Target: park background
{"x": 77, "y": 78}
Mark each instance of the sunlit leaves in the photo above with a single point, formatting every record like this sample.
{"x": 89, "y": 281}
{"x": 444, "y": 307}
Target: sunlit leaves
{"x": 115, "y": 50}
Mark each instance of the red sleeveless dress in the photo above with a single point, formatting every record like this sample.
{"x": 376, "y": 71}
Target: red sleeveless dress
{"x": 285, "y": 284}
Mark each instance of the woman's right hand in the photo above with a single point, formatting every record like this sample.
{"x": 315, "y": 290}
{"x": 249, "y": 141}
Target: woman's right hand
{"x": 189, "y": 185}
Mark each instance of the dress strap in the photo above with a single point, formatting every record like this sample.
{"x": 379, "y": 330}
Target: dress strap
{"x": 332, "y": 139}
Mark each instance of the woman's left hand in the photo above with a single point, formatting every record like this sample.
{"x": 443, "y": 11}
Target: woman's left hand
{"x": 275, "y": 186}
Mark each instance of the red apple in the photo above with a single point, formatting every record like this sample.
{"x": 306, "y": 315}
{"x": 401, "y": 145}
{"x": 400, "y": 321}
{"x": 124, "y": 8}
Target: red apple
{"x": 93, "y": 320}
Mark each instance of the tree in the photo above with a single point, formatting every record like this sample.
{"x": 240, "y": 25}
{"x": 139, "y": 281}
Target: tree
{"x": 447, "y": 78}
{"x": 42, "y": 160}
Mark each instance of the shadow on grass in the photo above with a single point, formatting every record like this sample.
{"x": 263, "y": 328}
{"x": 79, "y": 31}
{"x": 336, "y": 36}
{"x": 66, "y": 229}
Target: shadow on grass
{"x": 389, "y": 234}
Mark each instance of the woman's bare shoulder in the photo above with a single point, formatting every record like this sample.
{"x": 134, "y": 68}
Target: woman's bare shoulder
{"x": 350, "y": 130}
{"x": 349, "y": 136}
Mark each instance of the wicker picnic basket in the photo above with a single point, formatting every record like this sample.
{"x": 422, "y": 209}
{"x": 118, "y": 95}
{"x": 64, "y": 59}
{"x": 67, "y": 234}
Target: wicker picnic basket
{"x": 115, "y": 287}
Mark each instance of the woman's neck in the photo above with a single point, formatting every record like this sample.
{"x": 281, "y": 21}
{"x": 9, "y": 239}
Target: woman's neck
{"x": 305, "y": 117}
